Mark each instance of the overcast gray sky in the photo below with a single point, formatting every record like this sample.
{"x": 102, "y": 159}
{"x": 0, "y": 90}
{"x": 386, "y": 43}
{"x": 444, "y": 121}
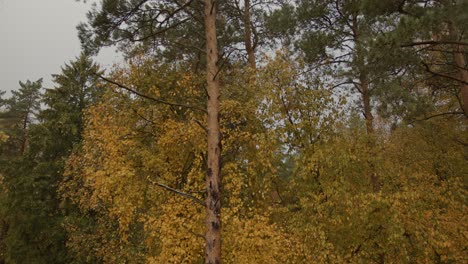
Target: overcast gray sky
{"x": 37, "y": 37}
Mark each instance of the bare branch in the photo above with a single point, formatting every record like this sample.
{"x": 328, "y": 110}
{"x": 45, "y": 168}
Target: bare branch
{"x": 433, "y": 42}
{"x": 133, "y": 91}
{"x": 195, "y": 199}
{"x": 201, "y": 125}
{"x": 437, "y": 115}
{"x": 428, "y": 69}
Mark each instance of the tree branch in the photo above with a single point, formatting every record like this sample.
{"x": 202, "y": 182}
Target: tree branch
{"x": 437, "y": 115}
{"x": 128, "y": 89}
{"x": 433, "y": 42}
{"x": 428, "y": 69}
{"x": 195, "y": 199}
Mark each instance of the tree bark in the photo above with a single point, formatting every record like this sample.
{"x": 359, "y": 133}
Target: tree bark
{"x": 24, "y": 142}
{"x": 248, "y": 36}
{"x": 363, "y": 77}
{"x": 366, "y": 103}
{"x": 369, "y": 118}
{"x": 460, "y": 62}
{"x": 213, "y": 176}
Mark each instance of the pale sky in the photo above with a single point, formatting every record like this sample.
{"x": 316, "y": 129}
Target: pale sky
{"x": 37, "y": 37}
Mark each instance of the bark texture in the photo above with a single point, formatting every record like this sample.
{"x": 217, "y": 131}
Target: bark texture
{"x": 460, "y": 62}
{"x": 213, "y": 176}
{"x": 367, "y": 111}
{"x": 248, "y": 36}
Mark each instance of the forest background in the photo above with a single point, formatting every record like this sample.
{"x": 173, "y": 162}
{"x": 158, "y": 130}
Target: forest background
{"x": 309, "y": 131}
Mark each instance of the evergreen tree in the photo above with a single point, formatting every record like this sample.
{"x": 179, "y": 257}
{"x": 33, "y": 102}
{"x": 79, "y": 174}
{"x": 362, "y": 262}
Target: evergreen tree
{"x": 32, "y": 208}
{"x": 338, "y": 39}
{"x": 127, "y": 175}
{"x": 422, "y": 56}
{"x": 19, "y": 113}
{"x": 16, "y": 121}
{"x": 435, "y": 35}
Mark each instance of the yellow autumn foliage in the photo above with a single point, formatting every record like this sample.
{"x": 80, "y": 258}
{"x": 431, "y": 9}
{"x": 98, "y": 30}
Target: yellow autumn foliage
{"x": 133, "y": 146}
{"x": 417, "y": 216}
{"x": 300, "y": 183}
{"x": 3, "y": 137}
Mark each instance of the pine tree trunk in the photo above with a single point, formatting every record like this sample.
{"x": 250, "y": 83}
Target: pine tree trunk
{"x": 460, "y": 62}
{"x": 459, "y": 59}
{"x": 213, "y": 177}
{"x": 248, "y": 35}
{"x": 366, "y": 103}
{"x": 363, "y": 77}
{"x": 24, "y": 142}
{"x": 369, "y": 118}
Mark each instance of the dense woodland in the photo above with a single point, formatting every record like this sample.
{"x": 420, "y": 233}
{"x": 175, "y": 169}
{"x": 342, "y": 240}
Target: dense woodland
{"x": 245, "y": 131}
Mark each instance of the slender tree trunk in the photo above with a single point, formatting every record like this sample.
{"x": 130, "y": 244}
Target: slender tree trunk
{"x": 248, "y": 35}
{"x": 363, "y": 78}
{"x": 24, "y": 142}
{"x": 367, "y": 111}
{"x": 460, "y": 62}
{"x": 213, "y": 176}
{"x": 366, "y": 103}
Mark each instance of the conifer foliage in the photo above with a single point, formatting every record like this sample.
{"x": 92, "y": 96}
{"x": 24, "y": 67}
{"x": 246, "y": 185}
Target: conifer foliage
{"x": 313, "y": 131}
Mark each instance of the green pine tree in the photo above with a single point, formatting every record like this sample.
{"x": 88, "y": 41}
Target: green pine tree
{"x": 31, "y": 208}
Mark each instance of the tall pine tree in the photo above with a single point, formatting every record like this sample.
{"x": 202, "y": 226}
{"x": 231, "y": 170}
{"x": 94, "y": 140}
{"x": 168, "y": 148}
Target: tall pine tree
{"x": 33, "y": 170}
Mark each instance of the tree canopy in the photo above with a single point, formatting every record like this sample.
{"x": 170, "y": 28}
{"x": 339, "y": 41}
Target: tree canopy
{"x": 311, "y": 131}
